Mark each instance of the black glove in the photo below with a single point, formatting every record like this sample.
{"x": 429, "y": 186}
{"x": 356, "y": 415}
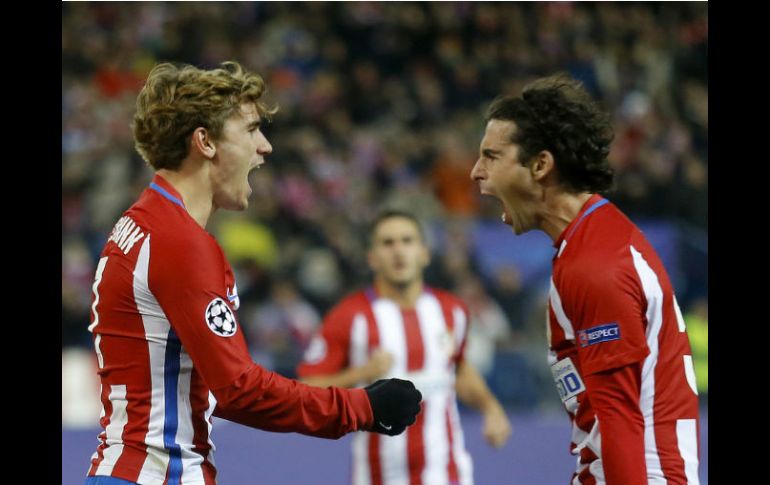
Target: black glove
{"x": 395, "y": 405}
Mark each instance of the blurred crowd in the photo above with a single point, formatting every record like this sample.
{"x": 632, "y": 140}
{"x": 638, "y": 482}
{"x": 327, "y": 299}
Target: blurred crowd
{"x": 381, "y": 105}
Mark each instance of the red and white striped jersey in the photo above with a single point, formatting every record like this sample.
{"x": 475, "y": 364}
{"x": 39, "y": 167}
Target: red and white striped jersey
{"x": 620, "y": 355}
{"x": 170, "y": 353}
{"x": 427, "y": 342}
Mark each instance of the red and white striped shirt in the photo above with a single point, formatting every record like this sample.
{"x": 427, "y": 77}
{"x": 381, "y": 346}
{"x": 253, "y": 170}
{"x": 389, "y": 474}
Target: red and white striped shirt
{"x": 620, "y": 355}
{"x": 170, "y": 353}
{"x": 427, "y": 342}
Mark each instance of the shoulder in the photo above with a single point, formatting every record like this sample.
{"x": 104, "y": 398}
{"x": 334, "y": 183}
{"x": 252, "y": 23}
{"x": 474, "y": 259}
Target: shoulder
{"x": 448, "y": 301}
{"x": 345, "y": 311}
{"x": 599, "y": 248}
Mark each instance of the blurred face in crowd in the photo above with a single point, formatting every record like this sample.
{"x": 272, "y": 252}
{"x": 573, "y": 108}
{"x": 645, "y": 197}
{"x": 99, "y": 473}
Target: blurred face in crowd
{"x": 241, "y": 148}
{"x": 398, "y": 254}
{"x": 501, "y": 174}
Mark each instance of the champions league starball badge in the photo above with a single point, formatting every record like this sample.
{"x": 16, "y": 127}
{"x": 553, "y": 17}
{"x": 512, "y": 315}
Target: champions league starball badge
{"x": 220, "y": 318}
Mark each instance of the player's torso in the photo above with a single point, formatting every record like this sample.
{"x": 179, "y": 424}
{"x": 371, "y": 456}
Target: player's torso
{"x": 156, "y": 406}
{"x": 667, "y": 388}
{"x": 424, "y": 342}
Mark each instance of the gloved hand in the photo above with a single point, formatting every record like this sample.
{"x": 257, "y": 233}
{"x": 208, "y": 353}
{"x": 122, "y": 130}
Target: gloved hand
{"x": 395, "y": 405}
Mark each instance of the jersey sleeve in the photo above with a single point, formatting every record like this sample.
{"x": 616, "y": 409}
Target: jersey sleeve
{"x": 328, "y": 350}
{"x": 188, "y": 279}
{"x": 606, "y": 306}
{"x": 614, "y": 396}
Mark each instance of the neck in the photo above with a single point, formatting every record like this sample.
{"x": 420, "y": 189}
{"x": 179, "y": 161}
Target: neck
{"x": 560, "y": 210}
{"x": 404, "y": 296}
{"x": 192, "y": 183}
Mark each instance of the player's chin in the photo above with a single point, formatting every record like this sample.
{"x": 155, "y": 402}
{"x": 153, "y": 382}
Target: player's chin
{"x": 240, "y": 204}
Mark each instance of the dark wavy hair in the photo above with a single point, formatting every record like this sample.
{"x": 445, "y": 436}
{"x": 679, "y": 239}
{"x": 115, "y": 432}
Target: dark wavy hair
{"x": 556, "y": 114}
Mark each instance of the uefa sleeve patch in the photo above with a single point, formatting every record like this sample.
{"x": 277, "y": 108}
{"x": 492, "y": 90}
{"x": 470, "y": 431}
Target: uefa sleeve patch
{"x": 598, "y": 334}
{"x": 220, "y": 318}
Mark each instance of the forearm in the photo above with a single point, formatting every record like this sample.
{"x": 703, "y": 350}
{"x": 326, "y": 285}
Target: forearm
{"x": 472, "y": 390}
{"x": 268, "y": 401}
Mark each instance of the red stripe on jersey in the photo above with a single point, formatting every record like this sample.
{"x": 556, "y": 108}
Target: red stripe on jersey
{"x": 415, "y": 349}
{"x": 415, "y": 448}
{"x": 451, "y": 465}
{"x": 138, "y": 383}
{"x": 585, "y": 477}
{"x": 587, "y": 456}
{"x": 199, "y": 403}
{"x": 104, "y": 422}
{"x": 371, "y": 323}
{"x": 375, "y": 466}
{"x": 671, "y": 461}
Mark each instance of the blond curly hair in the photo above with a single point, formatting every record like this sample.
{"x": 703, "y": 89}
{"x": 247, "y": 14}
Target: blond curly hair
{"x": 177, "y": 99}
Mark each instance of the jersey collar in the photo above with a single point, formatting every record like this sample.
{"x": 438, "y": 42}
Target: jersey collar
{"x": 161, "y": 186}
{"x": 593, "y": 203}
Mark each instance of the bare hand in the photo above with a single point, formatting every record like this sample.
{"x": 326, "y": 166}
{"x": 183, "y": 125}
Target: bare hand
{"x": 378, "y": 365}
{"x": 497, "y": 428}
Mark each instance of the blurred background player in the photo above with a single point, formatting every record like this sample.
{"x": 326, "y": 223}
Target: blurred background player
{"x": 170, "y": 353}
{"x": 401, "y": 328}
{"x": 619, "y": 351}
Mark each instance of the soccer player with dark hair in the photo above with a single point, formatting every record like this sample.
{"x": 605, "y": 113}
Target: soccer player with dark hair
{"x": 619, "y": 351}
{"x": 399, "y": 327}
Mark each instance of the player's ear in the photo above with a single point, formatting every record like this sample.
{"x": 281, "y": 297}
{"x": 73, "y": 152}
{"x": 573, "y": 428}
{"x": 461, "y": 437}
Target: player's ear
{"x": 202, "y": 142}
{"x": 542, "y": 165}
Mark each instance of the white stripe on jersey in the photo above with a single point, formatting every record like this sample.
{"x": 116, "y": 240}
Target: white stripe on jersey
{"x": 393, "y": 459}
{"x": 687, "y": 440}
{"x": 679, "y": 317}
{"x": 654, "y": 294}
{"x": 114, "y": 430}
{"x": 432, "y": 330}
{"x": 461, "y": 325}
{"x": 593, "y": 441}
{"x": 207, "y": 417}
{"x": 390, "y": 326}
{"x": 95, "y": 288}
{"x": 461, "y": 456}
{"x": 432, "y": 385}
{"x": 156, "y": 329}
{"x": 689, "y": 373}
{"x": 359, "y": 353}
{"x": 359, "y": 342}
{"x": 561, "y": 317}
{"x": 97, "y": 346}
{"x": 191, "y": 461}
{"x": 435, "y": 440}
